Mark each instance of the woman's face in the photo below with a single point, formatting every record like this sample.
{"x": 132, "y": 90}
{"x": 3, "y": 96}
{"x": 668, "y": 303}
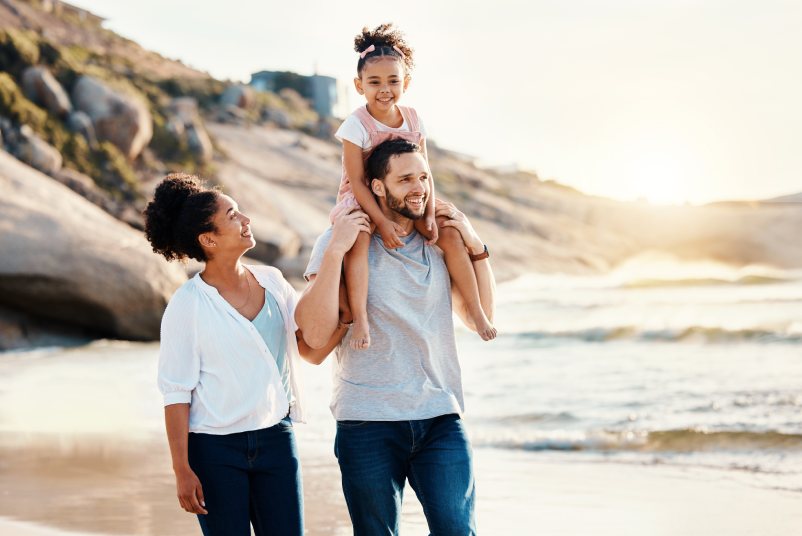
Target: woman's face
{"x": 232, "y": 230}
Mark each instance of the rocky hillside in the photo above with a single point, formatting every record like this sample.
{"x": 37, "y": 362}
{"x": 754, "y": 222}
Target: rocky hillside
{"x": 90, "y": 122}
{"x": 284, "y": 180}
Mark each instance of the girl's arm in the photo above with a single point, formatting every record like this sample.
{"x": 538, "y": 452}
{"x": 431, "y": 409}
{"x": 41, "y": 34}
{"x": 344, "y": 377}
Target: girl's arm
{"x": 431, "y": 222}
{"x": 484, "y": 274}
{"x": 355, "y": 169}
{"x": 188, "y": 486}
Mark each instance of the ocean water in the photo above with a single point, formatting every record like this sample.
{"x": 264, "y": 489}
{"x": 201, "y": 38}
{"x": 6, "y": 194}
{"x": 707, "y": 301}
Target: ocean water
{"x": 697, "y": 365}
{"x": 659, "y": 362}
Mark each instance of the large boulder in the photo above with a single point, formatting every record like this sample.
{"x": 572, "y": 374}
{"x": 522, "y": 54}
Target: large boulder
{"x": 122, "y": 119}
{"x": 42, "y": 88}
{"x": 80, "y": 123}
{"x": 279, "y": 117}
{"x": 238, "y": 95}
{"x": 65, "y": 259}
{"x": 185, "y": 124}
{"x": 185, "y": 108}
{"x": 199, "y": 142}
{"x": 36, "y": 152}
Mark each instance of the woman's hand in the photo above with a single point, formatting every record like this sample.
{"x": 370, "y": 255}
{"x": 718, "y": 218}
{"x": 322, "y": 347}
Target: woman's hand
{"x": 459, "y": 221}
{"x": 346, "y": 228}
{"x": 190, "y": 491}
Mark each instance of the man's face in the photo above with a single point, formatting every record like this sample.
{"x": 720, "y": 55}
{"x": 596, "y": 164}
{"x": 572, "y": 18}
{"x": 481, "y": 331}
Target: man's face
{"x": 406, "y": 186}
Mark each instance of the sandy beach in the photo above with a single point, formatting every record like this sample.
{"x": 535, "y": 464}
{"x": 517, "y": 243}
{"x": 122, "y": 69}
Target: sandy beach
{"x": 82, "y": 452}
{"x": 86, "y": 492}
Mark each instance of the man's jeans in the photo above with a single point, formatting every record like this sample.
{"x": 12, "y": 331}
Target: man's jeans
{"x": 376, "y": 457}
{"x": 249, "y": 478}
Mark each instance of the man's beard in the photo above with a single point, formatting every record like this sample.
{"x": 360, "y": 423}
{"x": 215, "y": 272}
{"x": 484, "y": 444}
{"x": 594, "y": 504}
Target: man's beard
{"x": 400, "y": 206}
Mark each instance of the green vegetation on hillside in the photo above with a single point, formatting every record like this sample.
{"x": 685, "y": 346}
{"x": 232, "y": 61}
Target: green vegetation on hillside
{"x": 122, "y": 71}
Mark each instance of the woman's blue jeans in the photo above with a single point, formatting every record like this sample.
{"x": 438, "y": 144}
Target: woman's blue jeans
{"x": 249, "y": 478}
{"x": 376, "y": 457}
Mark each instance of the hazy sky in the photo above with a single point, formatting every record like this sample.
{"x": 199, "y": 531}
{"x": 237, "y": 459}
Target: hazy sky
{"x": 671, "y": 100}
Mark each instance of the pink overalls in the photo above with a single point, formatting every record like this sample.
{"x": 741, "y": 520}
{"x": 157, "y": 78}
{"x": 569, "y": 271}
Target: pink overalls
{"x": 345, "y": 196}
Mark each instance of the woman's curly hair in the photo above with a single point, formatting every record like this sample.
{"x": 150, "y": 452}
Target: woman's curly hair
{"x": 182, "y": 208}
{"x": 384, "y": 38}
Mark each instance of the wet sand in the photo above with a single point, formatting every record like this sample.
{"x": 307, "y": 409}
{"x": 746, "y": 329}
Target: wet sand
{"x": 116, "y": 489}
{"x": 82, "y": 451}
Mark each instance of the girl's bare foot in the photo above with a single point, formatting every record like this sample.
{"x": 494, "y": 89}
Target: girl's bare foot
{"x": 360, "y": 335}
{"x": 483, "y": 326}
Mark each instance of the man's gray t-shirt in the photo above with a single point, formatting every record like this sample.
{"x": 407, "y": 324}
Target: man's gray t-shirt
{"x": 411, "y": 369}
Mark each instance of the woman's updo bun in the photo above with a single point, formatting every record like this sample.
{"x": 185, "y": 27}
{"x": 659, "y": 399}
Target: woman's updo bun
{"x": 182, "y": 208}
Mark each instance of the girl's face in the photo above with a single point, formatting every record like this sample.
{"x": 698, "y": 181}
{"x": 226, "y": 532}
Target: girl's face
{"x": 232, "y": 232}
{"x": 383, "y": 81}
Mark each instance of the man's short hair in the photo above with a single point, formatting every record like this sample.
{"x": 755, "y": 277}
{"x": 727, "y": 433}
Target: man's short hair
{"x": 378, "y": 164}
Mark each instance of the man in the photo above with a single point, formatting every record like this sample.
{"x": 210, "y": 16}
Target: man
{"x": 397, "y": 403}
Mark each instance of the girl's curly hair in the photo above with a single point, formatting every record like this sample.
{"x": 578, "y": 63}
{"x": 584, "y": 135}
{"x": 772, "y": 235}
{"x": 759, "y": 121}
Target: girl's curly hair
{"x": 384, "y": 38}
{"x": 182, "y": 208}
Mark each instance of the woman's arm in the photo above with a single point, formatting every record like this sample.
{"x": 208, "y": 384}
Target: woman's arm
{"x": 188, "y": 486}
{"x": 316, "y": 356}
{"x": 355, "y": 169}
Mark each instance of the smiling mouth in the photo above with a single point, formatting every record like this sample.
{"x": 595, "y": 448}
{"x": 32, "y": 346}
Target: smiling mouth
{"x": 246, "y": 233}
{"x": 416, "y": 202}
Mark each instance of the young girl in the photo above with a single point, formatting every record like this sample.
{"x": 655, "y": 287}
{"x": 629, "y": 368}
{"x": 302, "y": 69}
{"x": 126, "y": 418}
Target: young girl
{"x": 385, "y": 61}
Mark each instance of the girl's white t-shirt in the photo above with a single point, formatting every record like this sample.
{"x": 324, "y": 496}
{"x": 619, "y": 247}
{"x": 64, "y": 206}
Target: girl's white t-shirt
{"x": 353, "y": 130}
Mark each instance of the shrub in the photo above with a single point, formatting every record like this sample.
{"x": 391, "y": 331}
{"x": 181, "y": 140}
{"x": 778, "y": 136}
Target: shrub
{"x": 18, "y": 50}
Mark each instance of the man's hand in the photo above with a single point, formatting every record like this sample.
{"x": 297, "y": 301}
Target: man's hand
{"x": 346, "y": 228}
{"x": 190, "y": 491}
{"x": 389, "y": 231}
{"x": 459, "y": 221}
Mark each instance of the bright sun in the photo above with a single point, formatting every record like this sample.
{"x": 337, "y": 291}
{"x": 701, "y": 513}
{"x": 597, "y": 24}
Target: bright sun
{"x": 659, "y": 180}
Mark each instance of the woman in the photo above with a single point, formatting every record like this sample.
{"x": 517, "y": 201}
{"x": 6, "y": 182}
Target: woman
{"x": 228, "y": 366}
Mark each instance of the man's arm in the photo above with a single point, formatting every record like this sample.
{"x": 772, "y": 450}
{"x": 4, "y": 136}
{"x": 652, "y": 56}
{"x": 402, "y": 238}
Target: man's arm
{"x": 484, "y": 274}
{"x": 317, "y": 312}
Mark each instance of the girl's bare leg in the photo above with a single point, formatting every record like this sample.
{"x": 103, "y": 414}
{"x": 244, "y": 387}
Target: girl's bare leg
{"x": 460, "y": 268}
{"x": 356, "y": 282}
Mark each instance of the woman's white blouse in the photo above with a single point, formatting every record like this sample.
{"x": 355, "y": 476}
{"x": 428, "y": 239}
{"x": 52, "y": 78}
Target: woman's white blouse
{"x": 214, "y": 358}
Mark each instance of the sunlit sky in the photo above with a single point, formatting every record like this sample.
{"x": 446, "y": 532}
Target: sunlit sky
{"x": 668, "y": 100}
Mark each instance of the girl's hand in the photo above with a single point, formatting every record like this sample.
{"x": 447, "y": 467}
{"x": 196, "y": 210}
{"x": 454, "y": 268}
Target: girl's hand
{"x": 389, "y": 231}
{"x": 346, "y": 228}
{"x": 434, "y": 231}
{"x": 458, "y": 220}
{"x": 190, "y": 491}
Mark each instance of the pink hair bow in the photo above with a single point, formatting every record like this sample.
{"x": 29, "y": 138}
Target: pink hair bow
{"x": 403, "y": 56}
{"x": 367, "y": 51}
